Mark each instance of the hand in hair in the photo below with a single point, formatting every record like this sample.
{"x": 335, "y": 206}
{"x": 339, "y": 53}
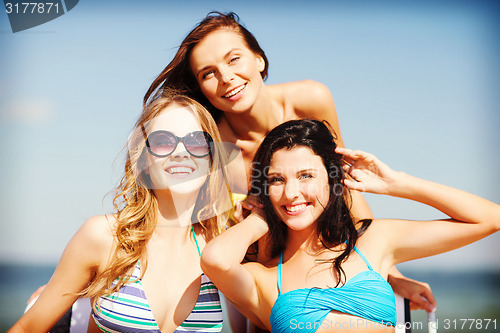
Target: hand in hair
{"x": 369, "y": 174}
{"x": 244, "y": 208}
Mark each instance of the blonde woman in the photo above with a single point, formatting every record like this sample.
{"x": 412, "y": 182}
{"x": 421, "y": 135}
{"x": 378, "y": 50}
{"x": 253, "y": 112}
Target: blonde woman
{"x": 141, "y": 265}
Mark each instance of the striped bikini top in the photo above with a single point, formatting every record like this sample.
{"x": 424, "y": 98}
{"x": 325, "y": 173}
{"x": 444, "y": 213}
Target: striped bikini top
{"x": 128, "y": 309}
{"x": 367, "y": 295}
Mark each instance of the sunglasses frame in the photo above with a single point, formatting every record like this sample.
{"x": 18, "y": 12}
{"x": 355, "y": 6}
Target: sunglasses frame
{"x": 207, "y": 136}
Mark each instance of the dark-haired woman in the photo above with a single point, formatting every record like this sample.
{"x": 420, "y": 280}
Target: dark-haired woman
{"x": 326, "y": 275}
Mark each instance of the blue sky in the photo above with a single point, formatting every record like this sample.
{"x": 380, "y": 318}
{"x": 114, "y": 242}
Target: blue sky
{"x": 415, "y": 83}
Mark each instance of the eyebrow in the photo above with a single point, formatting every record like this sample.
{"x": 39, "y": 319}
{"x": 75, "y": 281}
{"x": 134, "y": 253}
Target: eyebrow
{"x": 307, "y": 170}
{"x": 224, "y": 57}
{"x": 269, "y": 174}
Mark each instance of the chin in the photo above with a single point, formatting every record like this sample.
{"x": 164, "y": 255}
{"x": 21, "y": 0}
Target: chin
{"x": 186, "y": 186}
{"x": 298, "y": 225}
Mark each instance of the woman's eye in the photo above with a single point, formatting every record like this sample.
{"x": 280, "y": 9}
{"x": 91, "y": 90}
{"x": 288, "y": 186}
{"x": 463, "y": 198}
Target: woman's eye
{"x": 306, "y": 176}
{"x": 207, "y": 74}
{"x": 275, "y": 180}
{"x": 234, "y": 60}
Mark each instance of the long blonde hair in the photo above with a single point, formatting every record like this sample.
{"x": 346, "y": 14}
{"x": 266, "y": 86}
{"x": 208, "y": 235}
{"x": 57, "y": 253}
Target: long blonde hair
{"x": 136, "y": 206}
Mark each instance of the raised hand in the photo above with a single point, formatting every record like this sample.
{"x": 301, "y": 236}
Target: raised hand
{"x": 368, "y": 172}
{"x": 243, "y": 208}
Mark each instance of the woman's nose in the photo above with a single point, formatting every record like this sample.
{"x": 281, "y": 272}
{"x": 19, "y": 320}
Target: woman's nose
{"x": 291, "y": 189}
{"x": 180, "y": 152}
{"x": 226, "y": 75}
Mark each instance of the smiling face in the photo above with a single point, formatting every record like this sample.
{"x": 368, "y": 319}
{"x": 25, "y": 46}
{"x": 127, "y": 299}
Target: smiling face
{"x": 180, "y": 172}
{"x": 227, "y": 71}
{"x": 298, "y": 187}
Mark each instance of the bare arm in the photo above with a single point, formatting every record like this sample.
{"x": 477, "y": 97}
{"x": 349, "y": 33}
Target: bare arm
{"x": 221, "y": 261}
{"x": 77, "y": 266}
{"x": 471, "y": 217}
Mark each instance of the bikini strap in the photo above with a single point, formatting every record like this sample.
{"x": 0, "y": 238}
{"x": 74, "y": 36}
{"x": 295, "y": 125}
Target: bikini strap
{"x": 364, "y": 258}
{"x": 195, "y": 240}
{"x": 279, "y": 273}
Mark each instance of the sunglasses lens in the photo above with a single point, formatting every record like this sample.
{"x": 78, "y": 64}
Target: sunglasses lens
{"x": 162, "y": 143}
{"x": 197, "y": 144}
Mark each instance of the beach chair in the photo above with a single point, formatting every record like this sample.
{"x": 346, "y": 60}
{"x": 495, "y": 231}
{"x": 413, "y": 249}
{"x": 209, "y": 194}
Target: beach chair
{"x": 403, "y": 321}
{"x": 76, "y": 320}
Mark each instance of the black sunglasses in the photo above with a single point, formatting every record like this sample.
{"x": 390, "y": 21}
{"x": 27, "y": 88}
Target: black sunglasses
{"x": 164, "y": 143}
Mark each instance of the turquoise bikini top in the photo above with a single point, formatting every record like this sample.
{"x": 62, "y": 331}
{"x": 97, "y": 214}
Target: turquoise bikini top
{"x": 367, "y": 295}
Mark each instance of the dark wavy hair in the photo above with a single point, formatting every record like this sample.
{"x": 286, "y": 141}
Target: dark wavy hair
{"x": 335, "y": 225}
{"x": 178, "y": 72}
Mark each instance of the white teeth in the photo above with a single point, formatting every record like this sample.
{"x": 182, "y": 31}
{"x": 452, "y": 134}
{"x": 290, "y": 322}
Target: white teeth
{"x": 235, "y": 91}
{"x": 295, "y": 208}
{"x": 179, "y": 170}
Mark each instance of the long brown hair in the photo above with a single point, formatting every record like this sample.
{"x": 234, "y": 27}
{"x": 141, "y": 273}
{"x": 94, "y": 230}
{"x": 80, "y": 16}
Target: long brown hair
{"x": 335, "y": 225}
{"x": 178, "y": 72}
{"x": 136, "y": 206}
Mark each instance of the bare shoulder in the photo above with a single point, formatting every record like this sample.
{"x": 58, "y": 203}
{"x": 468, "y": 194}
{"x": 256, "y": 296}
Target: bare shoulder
{"x": 83, "y": 257}
{"x": 301, "y": 88}
{"x": 99, "y": 228}
{"x": 378, "y": 229}
{"x": 377, "y": 242}
{"x": 308, "y": 98}
{"x": 97, "y": 233}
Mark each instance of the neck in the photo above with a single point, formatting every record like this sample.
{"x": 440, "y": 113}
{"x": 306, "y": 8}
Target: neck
{"x": 177, "y": 237}
{"x": 255, "y": 123}
{"x": 304, "y": 240}
{"x": 175, "y": 210}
